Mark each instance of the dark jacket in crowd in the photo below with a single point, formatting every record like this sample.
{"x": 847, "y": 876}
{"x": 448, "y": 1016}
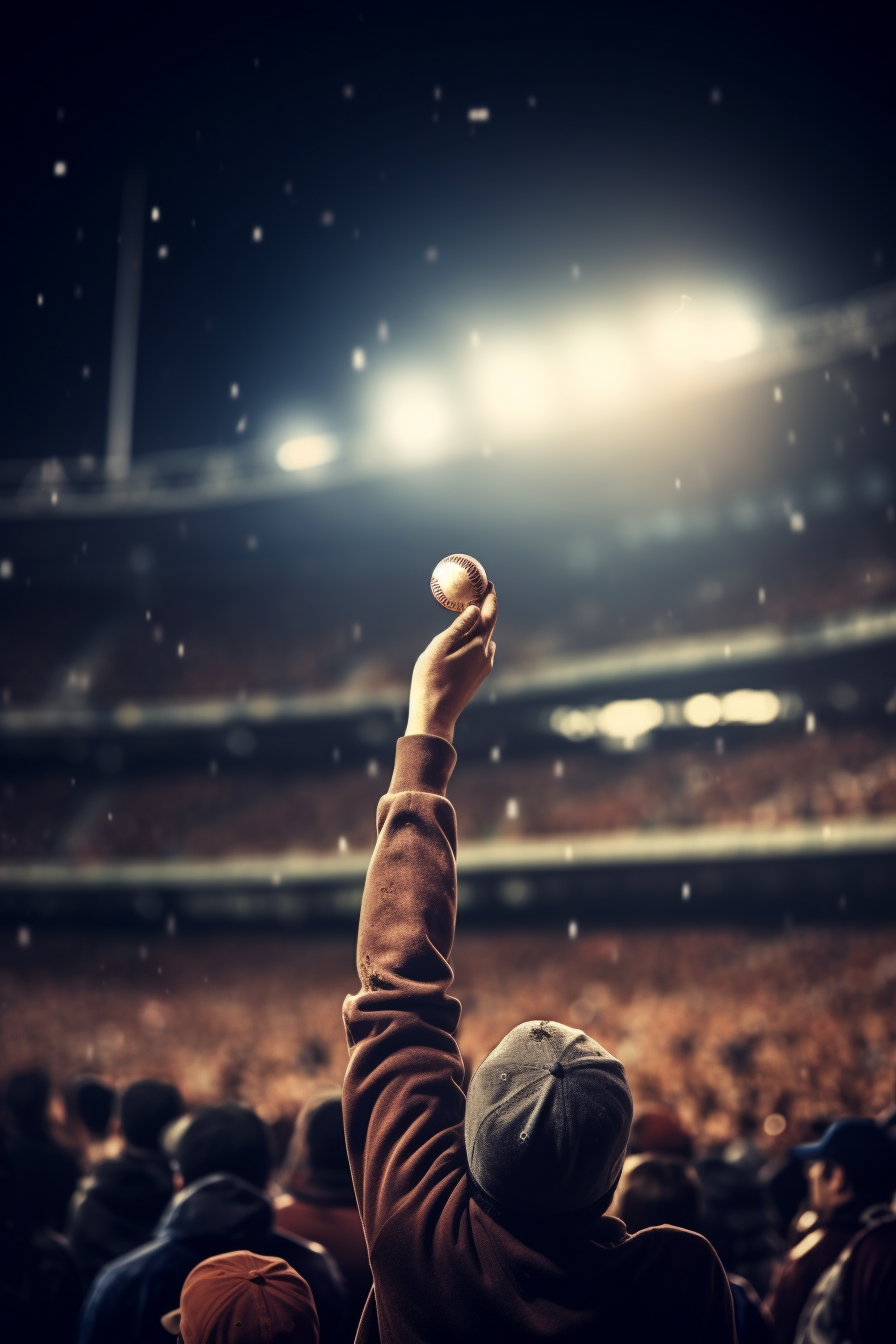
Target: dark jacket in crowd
{"x": 215, "y": 1215}
{"x": 806, "y": 1262}
{"x": 870, "y": 1286}
{"x": 40, "y": 1287}
{"x": 443, "y": 1268}
{"x": 117, "y": 1208}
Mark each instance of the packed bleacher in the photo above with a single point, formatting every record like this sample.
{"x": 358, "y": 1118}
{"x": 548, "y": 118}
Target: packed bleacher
{"x": 194, "y": 642}
{"x": 799, "y": 1036}
{"x": 230, "y": 809}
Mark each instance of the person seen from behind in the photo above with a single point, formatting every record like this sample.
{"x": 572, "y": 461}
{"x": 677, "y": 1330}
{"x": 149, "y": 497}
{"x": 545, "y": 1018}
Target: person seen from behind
{"x": 655, "y": 1189}
{"x": 486, "y": 1218}
{"x": 851, "y": 1172}
{"x": 241, "y": 1298}
{"x": 117, "y": 1207}
{"x": 47, "y": 1170}
{"x": 318, "y": 1202}
{"x": 223, "y": 1158}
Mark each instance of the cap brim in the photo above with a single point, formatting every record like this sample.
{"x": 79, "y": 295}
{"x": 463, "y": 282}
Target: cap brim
{"x": 171, "y": 1322}
{"x": 808, "y": 1152}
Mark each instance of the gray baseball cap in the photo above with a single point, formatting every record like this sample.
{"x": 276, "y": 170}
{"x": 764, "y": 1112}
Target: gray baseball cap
{"x": 548, "y": 1119}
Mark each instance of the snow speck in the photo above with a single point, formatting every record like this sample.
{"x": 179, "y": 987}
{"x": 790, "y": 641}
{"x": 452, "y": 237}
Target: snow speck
{"x": 257, "y": 234}
{"x": 431, "y": 254}
{"x": 155, "y": 214}
{"x": 180, "y": 650}
{"x": 797, "y": 522}
{"x": 359, "y": 359}
{"x": 23, "y": 936}
{"x": 715, "y": 96}
{"x": 60, "y": 168}
{"x": 7, "y": 569}
{"x": 382, "y": 332}
{"x": 162, "y": 252}
{"x": 343, "y": 845}
{"x": 760, "y": 597}
{"x": 494, "y": 755}
{"x": 559, "y": 770}
{"x": 373, "y": 769}
{"x": 573, "y": 929}
{"x": 234, "y": 390}
{"x": 479, "y": 114}
{"x": 810, "y": 723}
{"x": 777, "y": 395}
{"x": 512, "y": 809}
{"x": 685, "y": 891}
{"x": 327, "y": 219}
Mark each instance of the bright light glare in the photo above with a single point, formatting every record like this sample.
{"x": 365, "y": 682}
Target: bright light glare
{"x": 703, "y": 711}
{"x": 628, "y": 720}
{"x": 413, "y": 414}
{"x": 310, "y": 450}
{"x": 601, "y": 367}
{"x": 750, "y": 706}
{"x": 515, "y": 389}
{"x": 704, "y": 331}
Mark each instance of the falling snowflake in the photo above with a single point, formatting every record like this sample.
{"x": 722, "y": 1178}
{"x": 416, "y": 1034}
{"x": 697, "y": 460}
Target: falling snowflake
{"x": 431, "y": 254}
{"x": 573, "y": 929}
{"x": 512, "y": 809}
{"x": 23, "y": 936}
{"x": 242, "y": 424}
{"x": 359, "y": 359}
{"x": 327, "y": 218}
{"x": 162, "y": 252}
{"x": 155, "y": 214}
{"x": 382, "y": 332}
{"x": 60, "y": 168}
{"x": 777, "y": 394}
{"x": 685, "y": 891}
{"x": 257, "y": 234}
{"x": 479, "y": 114}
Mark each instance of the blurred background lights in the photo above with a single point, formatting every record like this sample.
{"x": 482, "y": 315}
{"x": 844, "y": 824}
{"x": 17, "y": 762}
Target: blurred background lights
{"x": 628, "y": 720}
{"x": 703, "y": 711}
{"x": 413, "y": 413}
{"x": 600, "y": 366}
{"x": 698, "y": 331}
{"x": 515, "y": 390}
{"x": 750, "y": 707}
{"x": 307, "y": 450}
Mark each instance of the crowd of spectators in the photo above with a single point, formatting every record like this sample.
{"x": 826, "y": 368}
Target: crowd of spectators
{"x": 242, "y": 809}
{"x": 193, "y": 643}
{"x": 131, "y": 1208}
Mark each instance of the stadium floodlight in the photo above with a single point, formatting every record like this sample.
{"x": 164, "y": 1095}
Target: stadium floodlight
{"x": 413, "y": 413}
{"x": 601, "y": 369}
{"x": 515, "y": 389}
{"x": 306, "y": 451}
{"x": 750, "y": 707}
{"x": 700, "y": 331}
{"x": 629, "y": 721}
{"x": 703, "y": 711}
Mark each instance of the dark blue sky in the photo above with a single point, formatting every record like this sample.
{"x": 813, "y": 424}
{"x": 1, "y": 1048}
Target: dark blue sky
{"x": 606, "y": 148}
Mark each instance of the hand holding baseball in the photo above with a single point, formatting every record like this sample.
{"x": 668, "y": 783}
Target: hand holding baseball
{"x": 451, "y": 669}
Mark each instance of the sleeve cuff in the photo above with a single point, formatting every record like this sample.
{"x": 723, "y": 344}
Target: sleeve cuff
{"x": 422, "y": 764}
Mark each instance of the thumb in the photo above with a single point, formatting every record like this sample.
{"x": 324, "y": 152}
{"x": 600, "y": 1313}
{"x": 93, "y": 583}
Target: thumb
{"x": 462, "y": 625}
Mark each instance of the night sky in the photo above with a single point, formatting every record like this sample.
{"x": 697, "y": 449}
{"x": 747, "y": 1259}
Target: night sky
{"x": 642, "y": 145}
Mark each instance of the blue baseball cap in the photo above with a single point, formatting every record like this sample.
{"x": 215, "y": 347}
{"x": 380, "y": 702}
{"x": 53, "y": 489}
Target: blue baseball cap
{"x": 861, "y": 1147}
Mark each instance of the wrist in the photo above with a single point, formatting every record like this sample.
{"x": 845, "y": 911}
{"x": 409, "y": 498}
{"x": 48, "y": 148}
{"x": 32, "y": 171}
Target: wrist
{"x": 429, "y": 726}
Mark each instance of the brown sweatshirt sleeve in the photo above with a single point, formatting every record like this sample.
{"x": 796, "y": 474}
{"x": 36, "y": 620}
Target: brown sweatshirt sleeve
{"x": 402, "y": 1099}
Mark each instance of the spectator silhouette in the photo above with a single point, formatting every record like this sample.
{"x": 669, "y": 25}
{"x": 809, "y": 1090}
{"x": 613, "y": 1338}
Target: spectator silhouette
{"x": 89, "y": 1110}
{"x": 117, "y": 1207}
{"x": 40, "y": 1288}
{"x": 656, "y": 1189}
{"x": 319, "y": 1202}
{"x": 851, "y": 1170}
{"x": 223, "y": 1156}
{"x": 47, "y": 1170}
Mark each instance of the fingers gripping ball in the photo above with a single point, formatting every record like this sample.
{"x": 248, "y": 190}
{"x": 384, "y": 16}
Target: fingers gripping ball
{"x": 457, "y": 581}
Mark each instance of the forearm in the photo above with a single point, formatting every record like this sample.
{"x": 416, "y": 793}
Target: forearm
{"x": 402, "y": 1098}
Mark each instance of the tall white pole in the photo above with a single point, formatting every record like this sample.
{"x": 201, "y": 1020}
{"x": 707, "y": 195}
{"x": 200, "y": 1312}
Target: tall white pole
{"x": 123, "y": 379}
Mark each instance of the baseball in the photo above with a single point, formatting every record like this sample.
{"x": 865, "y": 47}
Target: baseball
{"x": 457, "y": 581}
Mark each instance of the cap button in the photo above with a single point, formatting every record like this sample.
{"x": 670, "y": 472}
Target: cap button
{"x": 556, "y": 1070}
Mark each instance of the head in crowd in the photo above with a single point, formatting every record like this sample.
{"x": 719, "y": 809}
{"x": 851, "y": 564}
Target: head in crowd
{"x": 228, "y": 1138}
{"x": 660, "y": 1132}
{"x": 241, "y": 1298}
{"x": 91, "y": 1103}
{"x": 27, "y": 1101}
{"x": 656, "y": 1189}
{"x": 317, "y": 1162}
{"x": 147, "y": 1107}
{"x": 854, "y": 1162}
{"x": 547, "y": 1123}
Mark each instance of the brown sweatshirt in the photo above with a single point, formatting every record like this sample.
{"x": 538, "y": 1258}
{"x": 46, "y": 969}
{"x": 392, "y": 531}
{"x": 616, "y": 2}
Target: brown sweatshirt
{"x": 443, "y": 1270}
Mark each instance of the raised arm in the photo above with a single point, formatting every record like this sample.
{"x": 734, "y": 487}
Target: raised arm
{"x": 402, "y": 1097}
